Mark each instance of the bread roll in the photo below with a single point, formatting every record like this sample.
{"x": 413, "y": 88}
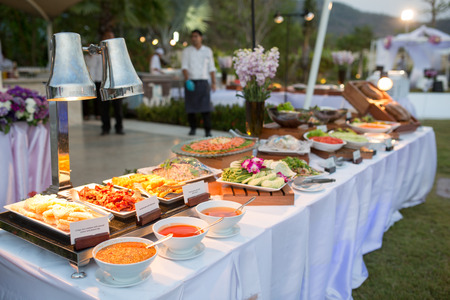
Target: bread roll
{"x": 398, "y": 112}
{"x": 371, "y": 91}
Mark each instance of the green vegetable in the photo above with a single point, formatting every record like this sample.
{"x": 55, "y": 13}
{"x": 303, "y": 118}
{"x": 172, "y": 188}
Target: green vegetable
{"x": 348, "y": 136}
{"x": 285, "y": 106}
{"x": 300, "y": 166}
{"x": 275, "y": 184}
{"x": 256, "y": 181}
{"x": 316, "y": 132}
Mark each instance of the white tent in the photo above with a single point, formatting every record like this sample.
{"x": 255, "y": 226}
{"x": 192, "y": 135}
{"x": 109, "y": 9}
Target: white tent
{"x": 424, "y": 45}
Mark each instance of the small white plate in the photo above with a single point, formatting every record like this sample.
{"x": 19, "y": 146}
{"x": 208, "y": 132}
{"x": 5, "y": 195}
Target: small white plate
{"x": 234, "y": 231}
{"x": 166, "y": 253}
{"x": 312, "y": 189}
{"x": 106, "y": 279}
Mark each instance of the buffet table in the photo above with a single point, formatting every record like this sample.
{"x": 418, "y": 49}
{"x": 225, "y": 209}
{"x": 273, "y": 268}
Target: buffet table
{"x": 312, "y": 250}
{"x": 24, "y": 162}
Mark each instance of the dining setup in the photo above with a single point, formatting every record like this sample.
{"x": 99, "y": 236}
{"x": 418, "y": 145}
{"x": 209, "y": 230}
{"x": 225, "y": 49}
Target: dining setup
{"x": 286, "y": 210}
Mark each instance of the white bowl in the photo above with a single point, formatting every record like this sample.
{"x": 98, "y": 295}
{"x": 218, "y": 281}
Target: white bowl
{"x": 181, "y": 245}
{"x": 226, "y": 225}
{"x": 324, "y": 146}
{"x": 123, "y": 272}
{"x": 383, "y": 129}
{"x": 352, "y": 144}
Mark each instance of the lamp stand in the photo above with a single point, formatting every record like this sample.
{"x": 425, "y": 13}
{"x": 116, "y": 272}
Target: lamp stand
{"x": 59, "y": 145}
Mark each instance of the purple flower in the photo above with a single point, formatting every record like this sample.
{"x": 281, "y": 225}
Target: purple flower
{"x": 3, "y": 111}
{"x": 279, "y": 174}
{"x": 253, "y": 168}
{"x": 342, "y": 57}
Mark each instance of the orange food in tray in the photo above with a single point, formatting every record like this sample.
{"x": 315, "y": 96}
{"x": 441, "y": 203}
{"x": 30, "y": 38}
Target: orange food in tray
{"x": 108, "y": 197}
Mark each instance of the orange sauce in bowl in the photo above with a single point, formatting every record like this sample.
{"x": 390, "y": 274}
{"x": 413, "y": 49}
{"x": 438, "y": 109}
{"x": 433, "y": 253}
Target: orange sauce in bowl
{"x": 125, "y": 253}
{"x": 179, "y": 230}
{"x": 221, "y": 212}
{"x": 374, "y": 126}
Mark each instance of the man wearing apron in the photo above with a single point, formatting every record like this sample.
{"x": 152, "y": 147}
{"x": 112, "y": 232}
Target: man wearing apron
{"x": 198, "y": 65}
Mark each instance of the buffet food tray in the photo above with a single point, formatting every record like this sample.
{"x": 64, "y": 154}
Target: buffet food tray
{"x": 60, "y": 244}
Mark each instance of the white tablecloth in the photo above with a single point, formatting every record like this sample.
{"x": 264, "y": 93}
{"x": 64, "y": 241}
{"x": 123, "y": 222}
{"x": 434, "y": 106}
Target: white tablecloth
{"x": 24, "y": 162}
{"x": 312, "y": 250}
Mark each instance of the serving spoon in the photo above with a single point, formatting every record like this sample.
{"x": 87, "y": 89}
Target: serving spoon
{"x": 167, "y": 237}
{"x": 210, "y": 225}
{"x": 248, "y": 202}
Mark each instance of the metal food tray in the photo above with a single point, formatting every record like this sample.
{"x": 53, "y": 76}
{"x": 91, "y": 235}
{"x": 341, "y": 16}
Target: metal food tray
{"x": 60, "y": 244}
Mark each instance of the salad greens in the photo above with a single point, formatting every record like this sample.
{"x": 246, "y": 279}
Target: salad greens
{"x": 316, "y": 132}
{"x": 300, "y": 166}
{"x": 285, "y": 106}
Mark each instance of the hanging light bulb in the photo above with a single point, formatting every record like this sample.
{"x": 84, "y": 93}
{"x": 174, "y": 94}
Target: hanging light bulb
{"x": 385, "y": 83}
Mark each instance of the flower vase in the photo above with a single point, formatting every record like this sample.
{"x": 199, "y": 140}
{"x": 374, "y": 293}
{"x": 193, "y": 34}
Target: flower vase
{"x": 341, "y": 76}
{"x": 254, "y": 117}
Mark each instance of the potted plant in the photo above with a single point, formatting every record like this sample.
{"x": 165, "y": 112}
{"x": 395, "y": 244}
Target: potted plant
{"x": 255, "y": 69}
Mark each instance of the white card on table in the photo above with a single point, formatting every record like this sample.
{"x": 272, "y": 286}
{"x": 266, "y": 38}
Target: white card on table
{"x": 388, "y": 143}
{"x": 146, "y": 206}
{"x": 330, "y": 163}
{"x": 88, "y": 227}
{"x": 324, "y": 128}
{"x": 194, "y": 189}
{"x": 356, "y": 155}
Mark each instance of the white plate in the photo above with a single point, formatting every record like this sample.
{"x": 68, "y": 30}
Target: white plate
{"x": 164, "y": 200}
{"x": 312, "y": 189}
{"x": 166, "y": 253}
{"x": 234, "y": 231}
{"x": 124, "y": 214}
{"x": 105, "y": 278}
{"x": 215, "y": 172}
{"x": 264, "y": 148}
{"x": 251, "y": 187}
{"x": 356, "y": 126}
{"x": 52, "y": 227}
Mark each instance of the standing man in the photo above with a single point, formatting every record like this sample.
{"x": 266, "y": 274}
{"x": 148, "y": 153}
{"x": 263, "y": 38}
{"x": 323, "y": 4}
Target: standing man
{"x": 198, "y": 65}
{"x": 155, "y": 62}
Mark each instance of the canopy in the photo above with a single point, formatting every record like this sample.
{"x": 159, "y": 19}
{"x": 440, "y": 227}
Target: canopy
{"x": 48, "y": 9}
{"x": 424, "y": 45}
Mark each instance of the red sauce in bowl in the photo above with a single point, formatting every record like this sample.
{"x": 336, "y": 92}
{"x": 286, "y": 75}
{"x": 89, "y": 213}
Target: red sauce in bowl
{"x": 221, "y": 212}
{"x": 180, "y": 230}
{"x": 327, "y": 140}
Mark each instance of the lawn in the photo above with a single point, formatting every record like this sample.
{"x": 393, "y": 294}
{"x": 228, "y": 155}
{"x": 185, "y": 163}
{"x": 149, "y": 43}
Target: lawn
{"x": 413, "y": 262}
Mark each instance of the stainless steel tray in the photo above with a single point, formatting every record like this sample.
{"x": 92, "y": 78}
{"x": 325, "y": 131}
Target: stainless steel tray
{"x": 60, "y": 244}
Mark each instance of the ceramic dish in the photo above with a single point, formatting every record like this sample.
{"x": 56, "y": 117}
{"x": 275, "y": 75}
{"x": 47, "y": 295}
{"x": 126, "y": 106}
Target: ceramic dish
{"x": 352, "y": 144}
{"x": 324, "y": 146}
{"x": 178, "y": 150}
{"x": 226, "y": 226}
{"x": 381, "y": 128}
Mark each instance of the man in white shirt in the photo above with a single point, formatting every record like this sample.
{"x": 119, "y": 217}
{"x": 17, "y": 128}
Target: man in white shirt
{"x": 155, "y": 62}
{"x": 198, "y": 66}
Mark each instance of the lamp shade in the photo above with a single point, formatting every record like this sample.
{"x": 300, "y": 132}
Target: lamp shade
{"x": 69, "y": 78}
{"x": 119, "y": 76}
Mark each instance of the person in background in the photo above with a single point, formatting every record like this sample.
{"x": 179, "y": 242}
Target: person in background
{"x": 155, "y": 62}
{"x": 94, "y": 65}
{"x": 117, "y": 105}
{"x": 198, "y": 65}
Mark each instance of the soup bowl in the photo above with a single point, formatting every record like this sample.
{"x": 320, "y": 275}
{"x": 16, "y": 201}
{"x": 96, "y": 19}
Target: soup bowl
{"x": 124, "y": 273}
{"x": 226, "y": 225}
{"x": 180, "y": 245}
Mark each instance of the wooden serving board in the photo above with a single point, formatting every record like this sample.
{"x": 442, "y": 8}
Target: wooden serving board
{"x": 345, "y": 153}
{"x": 242, "y": 195}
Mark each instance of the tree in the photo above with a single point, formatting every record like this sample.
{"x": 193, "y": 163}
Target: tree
{"x": 437, "y": 7}
{"x": 308, "y": 28}
{"x": 357, "y": 41}
{"x": 182, "y": 16}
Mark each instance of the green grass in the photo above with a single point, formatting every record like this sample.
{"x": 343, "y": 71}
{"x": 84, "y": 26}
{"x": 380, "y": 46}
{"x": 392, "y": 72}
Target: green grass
{"x": 413, "y": 262}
